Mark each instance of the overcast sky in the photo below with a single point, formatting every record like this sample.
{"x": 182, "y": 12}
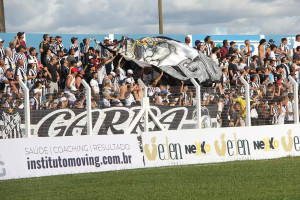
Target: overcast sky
{"x": 141, "y": 16}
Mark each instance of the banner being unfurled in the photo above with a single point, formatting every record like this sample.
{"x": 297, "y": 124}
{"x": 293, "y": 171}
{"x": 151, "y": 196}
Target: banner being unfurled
{"x": 175, "y": 58}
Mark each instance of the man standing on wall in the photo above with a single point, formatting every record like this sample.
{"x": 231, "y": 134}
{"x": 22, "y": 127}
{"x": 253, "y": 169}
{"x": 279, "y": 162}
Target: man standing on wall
{"x": 224, "y": 49}
{"x": 261, "y": 52}
{"x": 44, "y": 47}
{"x": 296, "y": 43}
{"x": 52, "y": 68}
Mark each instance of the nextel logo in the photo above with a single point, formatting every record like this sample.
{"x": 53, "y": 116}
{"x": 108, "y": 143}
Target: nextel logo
{"x": 199, "y": 148}
{"x": 266, "y": 144}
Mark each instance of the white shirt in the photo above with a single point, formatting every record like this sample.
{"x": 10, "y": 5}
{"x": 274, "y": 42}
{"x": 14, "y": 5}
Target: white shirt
{"x": 296, "y": 44}
{"x": 101, "y": 74}
{"x": 290, "y": 117}
{"x": 215, "y": 58}
{"x": 95, "y": 84}
{"x": 281, "y": 117}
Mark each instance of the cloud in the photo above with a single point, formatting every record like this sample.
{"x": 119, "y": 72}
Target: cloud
{"x": 141, "y": 16}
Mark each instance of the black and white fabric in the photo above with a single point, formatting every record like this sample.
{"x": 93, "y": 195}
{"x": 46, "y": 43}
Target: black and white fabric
{"x": 176, "y": 59}
{"x": 59, "y": 47}
{"x": 2, "y": 53}
{"x": 185, "y": 97}
{"x": 285, "y": 48}
{"x": 247, "y": 77}
{"x": 23, "y": 57}
{"x": 275, "y": 115}
{"x": 35, "y": 103}
{"x": 253, "y": 85}
{"x": 77, "y": 52}
{"x": 208, "y": 49}
{"x": 31, "y": 72}
{"x": 10, "y": 62}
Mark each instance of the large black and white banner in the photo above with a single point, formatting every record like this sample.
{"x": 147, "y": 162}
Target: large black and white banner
{"x": 177, "y": 59}
{"x": 108, "y": 121}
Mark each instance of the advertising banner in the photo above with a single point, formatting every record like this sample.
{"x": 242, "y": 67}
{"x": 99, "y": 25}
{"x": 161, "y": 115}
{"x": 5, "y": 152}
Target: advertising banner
{"x": 34, "y": 157}
{"x": 108, "y": 121}
{"x": 220, "y": 145}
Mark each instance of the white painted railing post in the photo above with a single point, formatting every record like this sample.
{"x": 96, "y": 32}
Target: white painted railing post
{"x": 88, "y": 107}
{"x": 26, "y": 108}
{"x": 198, "y": 106}
{"x": 296, "y": 102}
{"x": 145, "y": 105}
{"x": 247, "y": 99}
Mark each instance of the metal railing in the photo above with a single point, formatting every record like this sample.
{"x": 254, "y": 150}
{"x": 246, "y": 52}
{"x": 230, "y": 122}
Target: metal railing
{"x": 146, "y": 115}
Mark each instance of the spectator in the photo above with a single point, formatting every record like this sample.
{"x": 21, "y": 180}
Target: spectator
{"x": 187, "y": 40}
{"x": 44, "y": 47}
{"x": 296, "y": 43}
{"x": 32, "y": 57}
{"x": 284, "y": 49}
{"x": 21, "y": 42}
{"x": 79, "y": 78}
{"x": 231, "y": 48}
{"x": 116, "y": 100}
{"x": 53, "y": 75}
{"x": 2, "y": 51}
{"x": 214, "y": 56}
{"x": 9, "y": 59}
{"x": 233, "y": 70}
{"x": 208, "y": 45}
{"x": 296, "y": 55}
{"x": 197, "y": 45}
{"x": 70, "y": 88}
{"x": 261, "y": 52}
{"x": 21, "y": 55}
{"x": 58, "y": 47}
{"x": 224, "y": 49}
{"x": 77, "y": 54}
{"x": 35, "y": 103}
{"x": 95, "y": 85}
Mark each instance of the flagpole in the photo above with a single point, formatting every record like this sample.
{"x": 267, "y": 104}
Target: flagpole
{"x": 161, "y": 31}
{"x": 2, "y": 17}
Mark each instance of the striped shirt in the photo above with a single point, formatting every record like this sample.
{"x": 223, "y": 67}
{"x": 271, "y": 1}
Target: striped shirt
{"x": 77, "y": 52}
{"x": 22, "y": 57}
{"x": 34, "y": 102}
{"x": 10, "y": 62}
{"x": 285, "y": 48}
{"x": 59, "y": 47}
{"x": 208, "y": 48}
{"x": 2, "y": 53}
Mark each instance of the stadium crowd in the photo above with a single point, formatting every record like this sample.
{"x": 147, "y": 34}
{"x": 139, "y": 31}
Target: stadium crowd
{"x": 54, "y": 76}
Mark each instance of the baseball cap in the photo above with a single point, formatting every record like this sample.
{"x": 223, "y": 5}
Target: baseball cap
{"x": 1, "y": 40}
{"x": 271, "y": 40}
{"x": 19, "y": 34}
{"x": 74, "y": 69}
{"x": 106, "y": 38}
{"x": 113, "y": 73}
{"x": 10, "y": 70}
{"x": 129, "y": 71}
{"x": 73, "y": 39}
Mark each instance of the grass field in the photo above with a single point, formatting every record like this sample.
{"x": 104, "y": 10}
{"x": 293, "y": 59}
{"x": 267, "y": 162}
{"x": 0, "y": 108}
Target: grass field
{"x": 267, "y": 179}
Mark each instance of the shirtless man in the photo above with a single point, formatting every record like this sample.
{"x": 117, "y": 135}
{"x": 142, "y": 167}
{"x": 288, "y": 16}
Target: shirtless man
{"x": 261, "y": 51}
